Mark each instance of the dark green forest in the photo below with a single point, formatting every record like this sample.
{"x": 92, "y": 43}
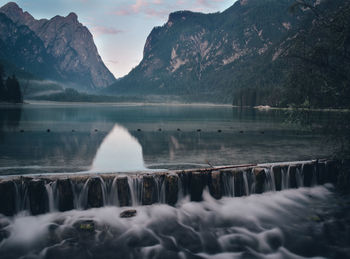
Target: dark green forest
{"x": 10, "y": 90}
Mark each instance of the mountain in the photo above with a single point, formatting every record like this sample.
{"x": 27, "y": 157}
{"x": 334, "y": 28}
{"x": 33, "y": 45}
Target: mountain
{"x": 201, "y": 54}
{"x": 237, "y": 56}
{"x": 60, "y": 49}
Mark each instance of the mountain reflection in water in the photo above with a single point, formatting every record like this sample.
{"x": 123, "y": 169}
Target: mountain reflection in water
{"x": 119, "y": 152}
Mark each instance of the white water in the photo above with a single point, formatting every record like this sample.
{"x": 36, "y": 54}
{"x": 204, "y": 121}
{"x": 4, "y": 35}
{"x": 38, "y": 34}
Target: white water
{"x": 256, "y": 226}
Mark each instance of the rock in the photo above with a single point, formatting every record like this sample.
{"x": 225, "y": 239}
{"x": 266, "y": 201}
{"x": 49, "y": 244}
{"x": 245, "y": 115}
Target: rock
{"x": 38, "y": 198}
{"x": 331, "y": 172}
{"x": 185, "y": 180}
{"x": 260, "y": 178}
{"x": 277, "y": 173}
{"x": 4, "y": 233}
{"x": 8, "y": 198}
{"x": 65, "y": 195}
{"x": 148, "y": 190}
{"x": 95, "y": 193}
{"x": 321, "y": 172}
{"x": 123, "y": 189}
{"x": 196, "y": 186}
{"x": 293, "y": 177}
{"x": 84, "y": 226}
{"x": 215, "y": 184}
{"x": 171, "y": 189}
{"x": 128, "y": 213}
{"x": 308, "y": 170}
{"x": 239, "y": 184}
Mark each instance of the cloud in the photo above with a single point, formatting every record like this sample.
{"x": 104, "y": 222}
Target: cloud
{"x": 207, "y": 3}
{"x": 102, "y": 30}
{"x": 161, "y": 8}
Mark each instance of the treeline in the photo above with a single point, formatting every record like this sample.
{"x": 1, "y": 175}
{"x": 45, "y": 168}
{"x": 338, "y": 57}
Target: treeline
{"x": 10, "y": 90}
{"x": 313, "y": 70}
{"x": 72, "y": 95}
{"x": 319, "y": 58}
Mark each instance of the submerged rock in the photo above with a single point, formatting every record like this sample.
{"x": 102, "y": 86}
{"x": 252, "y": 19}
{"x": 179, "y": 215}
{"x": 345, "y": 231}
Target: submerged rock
{"x": 85, "y": 225}
{"x": 128, "y": 213}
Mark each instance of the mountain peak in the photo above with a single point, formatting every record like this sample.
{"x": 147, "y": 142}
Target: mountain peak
{"x": 72, "y": 16}
{"x": 11, "y": 8}
{"x": 16, "y": 14}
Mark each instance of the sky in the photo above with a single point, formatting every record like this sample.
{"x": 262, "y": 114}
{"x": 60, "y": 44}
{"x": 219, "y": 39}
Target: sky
{"x": 119, "y": 27}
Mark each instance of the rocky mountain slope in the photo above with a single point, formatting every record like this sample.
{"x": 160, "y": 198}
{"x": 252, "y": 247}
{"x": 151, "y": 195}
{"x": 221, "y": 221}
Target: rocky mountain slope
{"x": 237, "y": 56}
{"x": 61, "y": 48}
{"x": 193, "y": 52}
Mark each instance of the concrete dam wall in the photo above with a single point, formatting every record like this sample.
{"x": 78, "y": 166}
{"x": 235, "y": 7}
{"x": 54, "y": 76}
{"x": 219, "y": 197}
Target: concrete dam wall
{"x": 39, "y": 194}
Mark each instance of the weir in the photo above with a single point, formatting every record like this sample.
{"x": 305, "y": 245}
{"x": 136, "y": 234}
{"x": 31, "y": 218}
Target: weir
{"x": 40, "y": 194}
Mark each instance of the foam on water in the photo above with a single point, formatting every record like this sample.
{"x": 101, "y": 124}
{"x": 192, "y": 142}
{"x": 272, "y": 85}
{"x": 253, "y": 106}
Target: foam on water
{"x": 271, "y": 225}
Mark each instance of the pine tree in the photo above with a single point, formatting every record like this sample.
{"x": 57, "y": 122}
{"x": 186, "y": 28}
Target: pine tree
{"x": 2, "y": 85}
{"x": 14, "y": 93}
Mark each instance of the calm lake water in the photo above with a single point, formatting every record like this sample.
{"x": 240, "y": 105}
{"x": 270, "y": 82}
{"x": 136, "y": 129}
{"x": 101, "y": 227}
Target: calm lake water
{"x": 49, "y": 138}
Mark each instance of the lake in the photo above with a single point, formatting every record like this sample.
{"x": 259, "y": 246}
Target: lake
{"x": 54, "y": 137}
{"x": 42, "y": 138}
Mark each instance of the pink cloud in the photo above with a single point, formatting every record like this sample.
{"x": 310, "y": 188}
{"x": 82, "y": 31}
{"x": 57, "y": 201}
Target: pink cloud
{"x": 161, "y": 8}
{"x": 100, "y": 30}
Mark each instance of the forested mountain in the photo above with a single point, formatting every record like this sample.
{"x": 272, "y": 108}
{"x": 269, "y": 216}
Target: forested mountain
{"x": 239, "y": 56}
{"x": 60, "y": 49}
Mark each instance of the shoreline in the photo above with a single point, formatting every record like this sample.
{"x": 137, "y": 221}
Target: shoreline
{"x": 171, "y": 104}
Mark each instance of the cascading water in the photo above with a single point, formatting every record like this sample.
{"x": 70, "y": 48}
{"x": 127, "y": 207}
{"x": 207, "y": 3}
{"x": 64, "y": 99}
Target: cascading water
{"x": 249, "y": 227}
{"x": 145, "y": 189}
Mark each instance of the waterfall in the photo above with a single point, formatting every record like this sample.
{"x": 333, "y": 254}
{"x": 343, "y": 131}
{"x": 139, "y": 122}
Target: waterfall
{"x": 245, "y": 180}
{"x": 285, "y": 177}
{"x": 270, "y": 180}
{"x": 135, "y": 185}
{"x": 83, "y": 196}
{"x": 38, "y": 196}
{"x": 228, "y": 185}
{"x": 52, "y": 196}
{"x": 113, "y": 197}
{"x": 300, "y": 176}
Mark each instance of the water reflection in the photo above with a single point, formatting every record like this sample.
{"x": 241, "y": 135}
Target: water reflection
{"x": 119, "y": 151}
